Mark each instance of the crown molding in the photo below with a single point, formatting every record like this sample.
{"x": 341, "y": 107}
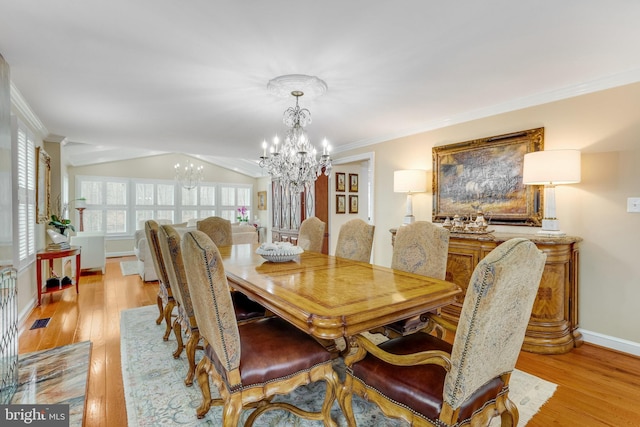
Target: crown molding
{"x": 609, "y": 82}
{"x": 22, "y": 107}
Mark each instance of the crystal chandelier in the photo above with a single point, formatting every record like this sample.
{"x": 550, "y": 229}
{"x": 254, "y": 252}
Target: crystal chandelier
{"x": 295, "y": 163}
{"x": 189, "y": 176}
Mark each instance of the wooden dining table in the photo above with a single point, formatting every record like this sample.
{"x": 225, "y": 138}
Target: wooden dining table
{"x": 330, "y": 297}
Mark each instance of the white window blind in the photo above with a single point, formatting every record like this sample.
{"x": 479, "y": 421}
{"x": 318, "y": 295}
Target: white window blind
{"x": 119, "y": 206}
{"x": 25, "y": 176}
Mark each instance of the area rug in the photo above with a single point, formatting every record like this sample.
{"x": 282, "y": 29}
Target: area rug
{"x": 129, "y": 268}
{"x": 155, "y": 393}
{"x": 55, "y": 376}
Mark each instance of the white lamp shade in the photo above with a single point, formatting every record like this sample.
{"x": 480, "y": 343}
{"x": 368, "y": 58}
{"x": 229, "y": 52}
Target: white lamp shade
{"x": 410, "y": 181}
{"x": 551, "y": 167}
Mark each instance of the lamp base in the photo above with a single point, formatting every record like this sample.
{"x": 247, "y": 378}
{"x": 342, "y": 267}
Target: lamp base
{"x": 551, "y": 227}
{"x": 408, "y": 219}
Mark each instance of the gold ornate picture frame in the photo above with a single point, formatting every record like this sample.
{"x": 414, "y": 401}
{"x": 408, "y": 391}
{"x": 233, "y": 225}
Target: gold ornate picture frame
{"x": 43, "y": 186}
{"x": 262, "y": 200}
{"x": 485, "y": 175}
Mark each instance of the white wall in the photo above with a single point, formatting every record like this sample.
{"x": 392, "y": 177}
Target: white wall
{"x": 362, "y": 169}
{"x": 605, "y": 126}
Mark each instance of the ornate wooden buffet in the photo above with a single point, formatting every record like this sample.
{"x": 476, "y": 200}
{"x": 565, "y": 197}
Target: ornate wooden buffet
{"x": 553, "y": 326}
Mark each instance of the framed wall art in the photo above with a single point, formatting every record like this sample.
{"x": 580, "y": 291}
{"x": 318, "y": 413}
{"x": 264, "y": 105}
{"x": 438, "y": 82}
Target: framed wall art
{"x": 485, "y": 175}
{"x": 341, "y": 203}
{"x": 353, "y": 182}
{"x": 43, "y": 186}
{"x": 262, "y": 200}
{"x": 353, "y": 204}
{"x": 340, "y": 181}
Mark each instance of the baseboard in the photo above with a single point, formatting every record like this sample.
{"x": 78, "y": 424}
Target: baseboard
{"x": 119, "y": 254}
{"x": 610, "y": 342}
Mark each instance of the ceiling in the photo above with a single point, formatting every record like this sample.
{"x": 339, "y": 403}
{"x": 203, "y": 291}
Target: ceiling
{"x": 118, "y": 79}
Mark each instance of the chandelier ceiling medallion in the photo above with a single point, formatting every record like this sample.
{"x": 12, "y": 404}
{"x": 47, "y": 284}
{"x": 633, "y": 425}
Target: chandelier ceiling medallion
{"x": 296, "y": 163}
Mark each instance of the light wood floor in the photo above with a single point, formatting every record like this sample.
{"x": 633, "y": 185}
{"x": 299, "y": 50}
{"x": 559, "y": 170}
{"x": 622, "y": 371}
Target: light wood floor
{"x": 596, "y": 387}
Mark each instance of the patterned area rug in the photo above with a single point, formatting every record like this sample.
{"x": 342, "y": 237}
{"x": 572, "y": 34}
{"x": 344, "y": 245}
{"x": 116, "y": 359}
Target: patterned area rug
{"x": 129, "y": 268}
{"x": 156, "y": 395}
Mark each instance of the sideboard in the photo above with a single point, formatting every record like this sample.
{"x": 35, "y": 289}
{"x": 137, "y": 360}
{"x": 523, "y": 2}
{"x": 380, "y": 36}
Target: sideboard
{"x": 553, "y": 326}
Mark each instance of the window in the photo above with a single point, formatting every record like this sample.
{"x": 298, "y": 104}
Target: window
{"x": 25, "y": 179}
{"x": 119, "y": 206}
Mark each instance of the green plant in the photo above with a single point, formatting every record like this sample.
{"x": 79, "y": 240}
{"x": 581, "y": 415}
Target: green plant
{"x": 61, "y": 224}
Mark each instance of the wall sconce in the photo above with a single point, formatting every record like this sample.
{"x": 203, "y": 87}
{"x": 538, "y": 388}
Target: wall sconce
{"x": 550, "y": 168}
{"x": 409, "y": 181}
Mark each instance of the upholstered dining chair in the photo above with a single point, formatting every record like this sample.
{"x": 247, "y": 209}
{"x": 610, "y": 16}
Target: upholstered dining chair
{"x": 245, "y": 309}
{"x": 165, "y": 295}
{"x": 427, "y": 381}
{"x": 355, "y": 240}
{"x": 421, "y": 248}
{"x": 250, "y": 362}
{"x": 311, "y": 234}
{"x": 218, "y": 229}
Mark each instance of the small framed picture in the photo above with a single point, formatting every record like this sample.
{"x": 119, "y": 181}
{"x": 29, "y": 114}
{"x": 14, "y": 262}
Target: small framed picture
{"x": 353, "y": 204}
{"x": 340, "y": 181}
{"x": 262, "y": 200}
{"x": 353, "y": 182}
{"x": 341, "y": 202}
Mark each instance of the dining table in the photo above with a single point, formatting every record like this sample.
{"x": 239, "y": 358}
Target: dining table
{"x": 330, "y": 297}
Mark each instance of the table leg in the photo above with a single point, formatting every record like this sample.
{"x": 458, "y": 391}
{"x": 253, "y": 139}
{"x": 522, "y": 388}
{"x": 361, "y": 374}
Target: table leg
{"x": 39, "y": 279}
{"x": 77, "y": 272}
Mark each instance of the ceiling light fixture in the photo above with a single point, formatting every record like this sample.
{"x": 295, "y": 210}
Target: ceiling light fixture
{"x": 189, "y": 176}
{"x": 295, "y": 163}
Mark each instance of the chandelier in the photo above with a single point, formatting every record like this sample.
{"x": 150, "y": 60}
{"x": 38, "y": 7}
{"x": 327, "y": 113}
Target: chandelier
{"x": 189, "y": 176}
{"x": 296, "y": 163}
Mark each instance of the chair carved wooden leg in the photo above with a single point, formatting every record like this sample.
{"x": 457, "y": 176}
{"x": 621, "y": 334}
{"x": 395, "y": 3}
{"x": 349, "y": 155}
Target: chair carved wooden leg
{"x": 177, "y": 331}
{"x": 202, "y": 376}
{"x": 192, "y": 345}
{"x": 168, "y": 309}
{"x": 161, "y": 309}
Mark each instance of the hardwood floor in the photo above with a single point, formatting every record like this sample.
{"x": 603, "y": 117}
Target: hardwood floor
{"x": 596, "y": 386}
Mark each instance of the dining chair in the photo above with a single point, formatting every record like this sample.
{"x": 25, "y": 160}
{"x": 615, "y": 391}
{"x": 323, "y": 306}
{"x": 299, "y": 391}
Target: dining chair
{"x": 250, "y": 363}
{"x": 245, "y": 309}
{"x": 426, "y": 381}
{"x": 355, "y": 240}
{"x": 311, "y": 234}
{"x": 165, "y": 296}
{"x": 218, "y": 229}
{"x": 421, "y": 248}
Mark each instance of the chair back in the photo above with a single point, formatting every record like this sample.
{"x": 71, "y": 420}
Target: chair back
{"x": 311, "y": 234}
{"x": 218, "y": 229}
{"x": 494, "y": 317}
{"x": 355, "y": 240}
{"x": 212, "y": 304}
{"x": 171, "y": 251}
{"x": 151, "y": 230}
{"x": 421, "y": 248}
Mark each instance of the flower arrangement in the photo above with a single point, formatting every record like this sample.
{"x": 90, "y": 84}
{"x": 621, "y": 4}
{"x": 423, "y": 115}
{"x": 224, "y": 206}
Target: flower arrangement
{"x": 59, "y": 211}
{"x": 242, "y": 214}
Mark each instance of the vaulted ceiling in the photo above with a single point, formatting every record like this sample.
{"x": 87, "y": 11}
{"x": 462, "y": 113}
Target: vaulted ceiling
{"x": 125, "y": 78}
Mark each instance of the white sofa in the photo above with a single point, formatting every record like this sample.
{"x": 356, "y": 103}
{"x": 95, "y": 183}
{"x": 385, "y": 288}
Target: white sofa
{"x": 241, "y": 233}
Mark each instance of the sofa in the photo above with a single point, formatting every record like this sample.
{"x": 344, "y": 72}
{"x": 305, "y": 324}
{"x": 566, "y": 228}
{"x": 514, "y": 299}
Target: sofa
{"x": 241, "y": 233}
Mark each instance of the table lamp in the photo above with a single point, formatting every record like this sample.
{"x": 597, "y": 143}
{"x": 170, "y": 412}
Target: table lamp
{"x": 409, "y": 181}
{"x": 550, "y": 168}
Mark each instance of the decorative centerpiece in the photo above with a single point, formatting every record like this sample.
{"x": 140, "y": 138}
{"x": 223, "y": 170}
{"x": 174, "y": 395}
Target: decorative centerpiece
{"x": 279, "y": 251}
{"x": 467, "y": 225}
